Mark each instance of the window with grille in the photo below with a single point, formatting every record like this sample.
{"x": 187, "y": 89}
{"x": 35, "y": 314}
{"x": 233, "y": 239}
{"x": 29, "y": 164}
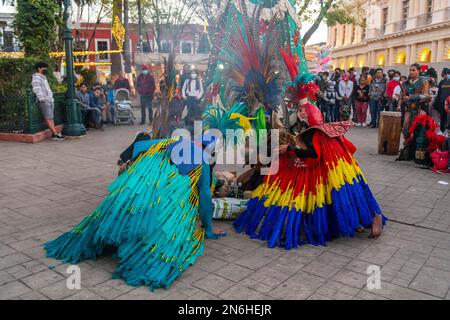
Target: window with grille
{"x": 186, "y": 47}
{"x": 364, "y": 27}
{"x": 429, "y": 11}
{"x": 102, "y": 46}
{"x": 166, "y": 47}
{"x": 405, "y": 15}
{"x": 384, "y": 21}
{"x": 352, "y": 40}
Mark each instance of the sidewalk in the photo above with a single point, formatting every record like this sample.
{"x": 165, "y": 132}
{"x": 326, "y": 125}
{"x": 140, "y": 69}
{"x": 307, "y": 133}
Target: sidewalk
{"x": 47, "y": 188}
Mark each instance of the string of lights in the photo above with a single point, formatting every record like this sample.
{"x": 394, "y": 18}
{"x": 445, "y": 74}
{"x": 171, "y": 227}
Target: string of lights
{"x": 60, "y": 53}
{"x": 85, "y": 64}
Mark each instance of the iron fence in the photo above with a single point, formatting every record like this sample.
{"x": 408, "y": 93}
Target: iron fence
{"x": 21, "y": 114}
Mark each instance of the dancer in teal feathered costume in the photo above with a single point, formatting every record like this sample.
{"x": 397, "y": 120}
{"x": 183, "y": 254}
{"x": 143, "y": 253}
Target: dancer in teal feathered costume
{"x": 150, "y": 216}
{"x": 152, "y": 212}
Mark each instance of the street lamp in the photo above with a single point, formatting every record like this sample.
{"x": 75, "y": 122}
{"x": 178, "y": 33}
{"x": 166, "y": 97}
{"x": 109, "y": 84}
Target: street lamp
{"x": 73, "y": 126}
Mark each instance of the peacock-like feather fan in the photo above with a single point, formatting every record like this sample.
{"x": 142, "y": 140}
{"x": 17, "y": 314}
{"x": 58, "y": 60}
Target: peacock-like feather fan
{"x": 252, "y": 62}
{"x": 236, "y": 118}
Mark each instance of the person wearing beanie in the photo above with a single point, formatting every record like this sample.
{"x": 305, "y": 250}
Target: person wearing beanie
{"x": 146, "y": 88}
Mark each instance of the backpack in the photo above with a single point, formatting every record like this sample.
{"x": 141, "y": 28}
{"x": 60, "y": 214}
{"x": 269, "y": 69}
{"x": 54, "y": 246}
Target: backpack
{"x": 440, "y": 160}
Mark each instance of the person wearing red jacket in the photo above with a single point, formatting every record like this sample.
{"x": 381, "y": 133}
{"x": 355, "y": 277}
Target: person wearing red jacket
{"x": 392, "y": 84}
{"x": 146, "y": 88}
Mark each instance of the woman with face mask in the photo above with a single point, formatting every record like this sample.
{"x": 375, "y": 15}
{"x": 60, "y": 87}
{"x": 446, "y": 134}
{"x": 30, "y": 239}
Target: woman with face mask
{"x": 362, "y": 101}
{"x": 146, "y": 88}
{"x": 392, "y": 85}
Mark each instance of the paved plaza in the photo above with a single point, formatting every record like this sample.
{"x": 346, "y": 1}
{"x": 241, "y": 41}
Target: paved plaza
{"x": 47, "y": 188}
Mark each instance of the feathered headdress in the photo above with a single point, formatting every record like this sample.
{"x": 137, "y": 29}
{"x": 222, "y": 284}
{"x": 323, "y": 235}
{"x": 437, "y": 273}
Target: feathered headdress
{"x": 252, "y": 66}
{"x": 234, "y": 118}
{"x": 301, "y": 89}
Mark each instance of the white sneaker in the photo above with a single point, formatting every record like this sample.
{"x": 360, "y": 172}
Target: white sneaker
{"x": 358, "y": 125}
{"x": 364, "y": 125}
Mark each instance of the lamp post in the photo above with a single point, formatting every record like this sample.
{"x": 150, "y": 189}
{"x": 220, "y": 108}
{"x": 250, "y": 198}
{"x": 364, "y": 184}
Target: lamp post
{"x": 73, "y": 126}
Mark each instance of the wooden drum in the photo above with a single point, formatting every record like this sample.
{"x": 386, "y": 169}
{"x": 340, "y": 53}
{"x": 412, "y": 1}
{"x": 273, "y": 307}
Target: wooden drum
{"x": 389, "y": 133}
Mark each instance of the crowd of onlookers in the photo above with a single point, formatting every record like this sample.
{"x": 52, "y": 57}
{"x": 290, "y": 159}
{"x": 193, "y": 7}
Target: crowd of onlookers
{"x": 345, "y": 94}
{"x": 97, "y": 103}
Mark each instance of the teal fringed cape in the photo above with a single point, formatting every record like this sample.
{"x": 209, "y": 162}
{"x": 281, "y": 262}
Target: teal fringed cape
{"x": 150, "y": 216}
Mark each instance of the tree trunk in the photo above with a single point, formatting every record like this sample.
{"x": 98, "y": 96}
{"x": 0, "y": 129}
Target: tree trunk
{"x": 127, "y": 49}
{"x": 140, "y": 41}
{"x": 116, "y": 59}
{"x": 317, "y": 22}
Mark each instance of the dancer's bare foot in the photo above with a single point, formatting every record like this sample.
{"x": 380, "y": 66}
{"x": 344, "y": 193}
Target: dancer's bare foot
{"x": 218, "y": 230}
{"x": 377, "y": 227}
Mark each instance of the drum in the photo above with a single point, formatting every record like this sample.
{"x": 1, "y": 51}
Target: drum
{"x": 389, "y": 133}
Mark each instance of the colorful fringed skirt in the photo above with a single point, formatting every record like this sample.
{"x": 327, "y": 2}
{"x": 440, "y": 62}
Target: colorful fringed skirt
{"x": 150, "y": 216}
{"x": 311, "y": 201}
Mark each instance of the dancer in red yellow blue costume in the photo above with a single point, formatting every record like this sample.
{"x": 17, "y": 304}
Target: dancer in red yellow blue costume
{"x": 319, "y": 192}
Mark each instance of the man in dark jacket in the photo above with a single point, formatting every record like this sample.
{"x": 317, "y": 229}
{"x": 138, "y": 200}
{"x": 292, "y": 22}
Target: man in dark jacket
{"x": 443, "y": 93}
{"x": 146, "y": 88}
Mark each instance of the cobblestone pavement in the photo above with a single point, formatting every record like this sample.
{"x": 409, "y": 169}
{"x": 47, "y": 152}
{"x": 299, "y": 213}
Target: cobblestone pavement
{"x": 47, "y": 188}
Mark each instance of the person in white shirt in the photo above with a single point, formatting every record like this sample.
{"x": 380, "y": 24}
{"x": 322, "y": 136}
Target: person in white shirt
{"x": 44, "y": 97}
{"x": 346, "y": 89}
{"x": 192, "y": 93}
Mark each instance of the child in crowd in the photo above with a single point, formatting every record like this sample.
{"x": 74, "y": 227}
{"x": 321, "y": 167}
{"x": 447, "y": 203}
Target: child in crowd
{"x": 329, "y": 101}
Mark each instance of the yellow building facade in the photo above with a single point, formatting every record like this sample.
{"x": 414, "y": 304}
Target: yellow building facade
{"x": 394, "y": 33}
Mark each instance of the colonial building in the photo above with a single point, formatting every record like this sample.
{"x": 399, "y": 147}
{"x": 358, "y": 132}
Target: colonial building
{"x": 394, "y": 33}
{"x": 98, "y": 37}
{"x": 7, "y": 41}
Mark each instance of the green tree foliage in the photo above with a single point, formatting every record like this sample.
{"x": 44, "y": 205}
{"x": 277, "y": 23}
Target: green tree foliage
{"x": 15, "y": 75}
{"x": 331, "y": 12}
{"x": 35, "y": 26}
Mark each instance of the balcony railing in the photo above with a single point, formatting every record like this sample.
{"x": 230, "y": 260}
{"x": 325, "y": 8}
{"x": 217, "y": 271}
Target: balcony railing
{"x": 425, "y": 19}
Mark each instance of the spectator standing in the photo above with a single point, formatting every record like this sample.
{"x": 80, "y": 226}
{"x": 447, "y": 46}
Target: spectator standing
{"x": 329, "y": 102}
{"x": 362, "y": 101}
{"x": 336, "y": 75}
{"x": 442, "y": 96}
{"x": 390, "y": 88}
{"x": 390, "y": 75}
{"x": 377, "y": 92}
{"x": 122, "y": 82}
{"x": 345, "y": 90}
{"x": 364, "y": 71}
{"x": 192, "y": 93}
{"x": 93, "y": 115}
{"x": 146, "y": 88}
{"x": 322, "y": 83}
{"x": 352, "y": 75}
{"x": 415, "y": 96}
{"x": 44, "y": 96}
{"x": 184, "y": 76}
